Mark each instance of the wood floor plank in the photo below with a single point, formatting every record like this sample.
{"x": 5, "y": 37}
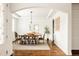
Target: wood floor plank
{"x": 54, "y": 51}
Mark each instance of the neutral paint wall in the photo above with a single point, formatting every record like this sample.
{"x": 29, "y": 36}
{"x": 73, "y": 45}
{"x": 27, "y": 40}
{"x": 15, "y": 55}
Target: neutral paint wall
{"x": 75, "y": 26}
{"x": 50, "y": 19}
{"x": 61, "y": 36}
{"x": 22, "y": 26}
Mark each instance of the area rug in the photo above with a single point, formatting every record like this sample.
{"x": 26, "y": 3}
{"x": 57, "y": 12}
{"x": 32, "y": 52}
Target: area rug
{"x": 31, "y": 47}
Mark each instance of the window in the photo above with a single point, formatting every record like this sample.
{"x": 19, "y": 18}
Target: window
{"x": 36, "y": 28}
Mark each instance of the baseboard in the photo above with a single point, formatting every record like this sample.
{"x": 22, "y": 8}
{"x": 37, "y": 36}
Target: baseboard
{"x": 75, "y": 52}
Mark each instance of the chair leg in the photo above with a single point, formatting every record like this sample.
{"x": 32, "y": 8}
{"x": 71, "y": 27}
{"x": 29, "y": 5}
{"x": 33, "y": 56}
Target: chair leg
{"x": 43, "y": 41}
{"x": 35, "y": 42}
{"x": 28, "y": 42}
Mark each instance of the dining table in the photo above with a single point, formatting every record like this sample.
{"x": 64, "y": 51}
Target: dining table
{"x": 33, "y": 36}
{"x": 30, "y": 37}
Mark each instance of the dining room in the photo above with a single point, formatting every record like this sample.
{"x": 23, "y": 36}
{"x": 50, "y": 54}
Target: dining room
{"x": 31, "y": 29}
{"x": 33, "y": 32}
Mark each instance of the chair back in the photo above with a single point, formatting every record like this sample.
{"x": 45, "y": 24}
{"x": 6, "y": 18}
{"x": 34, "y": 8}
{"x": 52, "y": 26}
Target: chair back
{"x": 16, "y": 34}
{"x": 43, "y": 35}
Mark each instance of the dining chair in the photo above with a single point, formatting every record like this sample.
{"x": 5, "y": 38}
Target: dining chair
{"x": 17, "y": 39}
{"x": 42, "y": 38}
{"x": 26, "y": 39}
{"x": 32, "y": 40}
{"x": 23, "y": 41}
{"x": 36, "y": 39}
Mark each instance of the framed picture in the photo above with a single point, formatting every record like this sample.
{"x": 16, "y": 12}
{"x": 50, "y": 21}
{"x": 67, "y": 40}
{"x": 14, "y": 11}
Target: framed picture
{"x": 57, "y": 23}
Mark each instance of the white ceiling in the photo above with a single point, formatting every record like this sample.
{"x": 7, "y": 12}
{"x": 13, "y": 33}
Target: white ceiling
{"x": 36, "y": 12}
{"x": 58, "y": 6}
{"x": 39, "y": 9}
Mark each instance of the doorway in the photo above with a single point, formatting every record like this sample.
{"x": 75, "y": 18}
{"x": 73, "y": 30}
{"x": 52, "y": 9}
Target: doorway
{"x": 53, "y": 31}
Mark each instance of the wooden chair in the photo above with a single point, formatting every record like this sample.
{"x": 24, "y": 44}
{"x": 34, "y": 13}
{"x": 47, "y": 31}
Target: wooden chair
{"x": 36, "y": 38}
{"x": 26, "y": 39}
{"x": 23, "y": 41}
{"x": 17, "y": 39}
{"x": 32, "y": 39}
{"x": 42, "y": 38}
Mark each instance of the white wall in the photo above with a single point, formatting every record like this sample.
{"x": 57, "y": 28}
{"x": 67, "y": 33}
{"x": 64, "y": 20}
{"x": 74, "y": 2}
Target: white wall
{"x": 51, "y": 14}
{"x": 23, "y": 24}
{"x": 75, "y": 26}
{"x": 6, "y": 47}
{"x": 61, "y": 37}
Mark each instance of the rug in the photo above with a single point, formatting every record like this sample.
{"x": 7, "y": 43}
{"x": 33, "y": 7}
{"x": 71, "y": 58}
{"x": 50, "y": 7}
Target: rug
{"x": 31, "y": 47}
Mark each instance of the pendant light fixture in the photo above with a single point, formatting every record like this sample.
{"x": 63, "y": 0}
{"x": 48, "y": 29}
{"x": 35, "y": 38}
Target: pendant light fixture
{"x": 31, "y": 17}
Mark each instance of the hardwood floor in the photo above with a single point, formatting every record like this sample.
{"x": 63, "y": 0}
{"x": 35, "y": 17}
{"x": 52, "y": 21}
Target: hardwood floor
{"x": 55, "y": 51}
